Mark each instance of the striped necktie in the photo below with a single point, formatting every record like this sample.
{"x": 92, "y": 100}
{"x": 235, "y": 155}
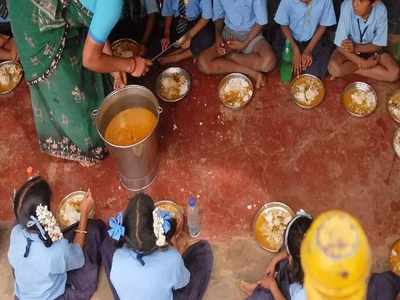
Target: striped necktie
{"x": 182, "y": 25}
{"x": 3, "y": 9}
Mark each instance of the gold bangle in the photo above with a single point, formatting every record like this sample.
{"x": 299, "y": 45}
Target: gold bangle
{"x": 80, "y": 231}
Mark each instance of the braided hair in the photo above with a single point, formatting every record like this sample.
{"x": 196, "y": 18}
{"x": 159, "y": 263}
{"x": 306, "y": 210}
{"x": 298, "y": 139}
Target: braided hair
{"x": 29, "y": 196}
{"x": 138, "y": 223}
{"x": 295, "y": 236}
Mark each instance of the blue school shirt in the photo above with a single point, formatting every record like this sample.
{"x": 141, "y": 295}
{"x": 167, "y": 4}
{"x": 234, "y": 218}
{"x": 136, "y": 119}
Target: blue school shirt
{"x": 351, "y": 26}
{"x": 106, "y": 14}
{"x": 297, "y": 292}
{"x": 241, "y": 15}
{"x": 194, "y": 9}
{"x": 163, "y": 272}
{"x": 43, "y": 274}
{"x": 302, "y": 19}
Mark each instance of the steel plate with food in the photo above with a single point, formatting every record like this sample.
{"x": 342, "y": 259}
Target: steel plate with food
{"x": 10, "y": 76}
{"x": 396, "y": 142}
{"x": 70, "y": 212}
{"x": 360, "y": 99}
{"x": 394, "y": 258}
{"x": 270, "y": 223}
{"x": 394, "y": 106}
{"x": 307, "y": 90}
{"x": 174, "y": 209}
{"x": 125, "y": 48}
{"x": 235, "y": 90}
{"x": 173, "y": 84}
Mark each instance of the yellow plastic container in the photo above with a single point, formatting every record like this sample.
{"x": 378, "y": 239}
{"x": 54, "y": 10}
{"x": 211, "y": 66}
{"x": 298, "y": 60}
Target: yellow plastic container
{"x": 336, "y": 258}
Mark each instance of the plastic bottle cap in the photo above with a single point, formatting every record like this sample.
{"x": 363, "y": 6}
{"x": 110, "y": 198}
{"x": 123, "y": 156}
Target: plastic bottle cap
{"x": 192, "y": 201}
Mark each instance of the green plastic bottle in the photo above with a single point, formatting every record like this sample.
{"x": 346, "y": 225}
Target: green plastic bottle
{"x": 286, "y": 67}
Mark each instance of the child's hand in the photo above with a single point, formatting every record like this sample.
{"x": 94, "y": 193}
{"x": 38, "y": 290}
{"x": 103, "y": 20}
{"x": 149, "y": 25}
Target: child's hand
{"x": 185, "y": 41}
{"x": 220, "y": 47}
{"x": 165, "y": 43}
{"x": 270, "y": 271}
{"x": 306, "y": 60}
{"x": 87, "y": 203}
{"x": 348, "y": 46}
{"x": 236, "y": 45}
{"x": 368, "y": 63}
{"x": 297, "y": 67}
{"x": 267, "y": 282}
{"x": 13, "y": 48}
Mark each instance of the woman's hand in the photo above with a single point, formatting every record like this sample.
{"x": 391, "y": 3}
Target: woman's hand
{"x": 87, "y": 204}
{"x": 141, "y": 66}
{"x": 119, "y": 80}
{"x": 165, "y": 43}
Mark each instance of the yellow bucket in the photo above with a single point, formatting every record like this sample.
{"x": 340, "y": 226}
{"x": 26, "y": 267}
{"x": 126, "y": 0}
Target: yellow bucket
{"x": 336, "y": 258}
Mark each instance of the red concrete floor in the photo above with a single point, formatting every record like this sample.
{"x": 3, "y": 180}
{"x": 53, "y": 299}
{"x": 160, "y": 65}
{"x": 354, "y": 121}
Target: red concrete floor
{"x": 235, "y": 161}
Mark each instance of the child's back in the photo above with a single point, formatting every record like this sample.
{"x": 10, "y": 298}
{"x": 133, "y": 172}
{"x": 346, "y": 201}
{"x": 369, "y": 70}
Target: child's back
{"x": 42, "y": 274}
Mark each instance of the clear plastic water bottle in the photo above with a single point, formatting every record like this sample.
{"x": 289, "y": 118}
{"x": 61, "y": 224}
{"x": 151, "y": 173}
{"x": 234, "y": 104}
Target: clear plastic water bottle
{"x": 193, "y": 217}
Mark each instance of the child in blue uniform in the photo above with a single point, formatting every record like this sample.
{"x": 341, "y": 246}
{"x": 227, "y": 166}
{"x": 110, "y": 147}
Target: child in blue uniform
{"x": 239, "y": 44}
{"x": 361, "y": 36}
{"x": 303, "y": 23}
{"x": 141, "y": 265}
{"x": 42, "y": 259}
{"x": 138, "y": 21}
{"x": 191, "y": 20}
{"x": 285, "y": 274}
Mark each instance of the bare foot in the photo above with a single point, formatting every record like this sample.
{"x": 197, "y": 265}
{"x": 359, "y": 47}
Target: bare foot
{"x": 260, "y": 80}
{"x": 247, "y": 288}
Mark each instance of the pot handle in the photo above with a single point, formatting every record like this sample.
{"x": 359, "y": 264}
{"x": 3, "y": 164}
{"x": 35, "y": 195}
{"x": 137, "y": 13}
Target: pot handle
{"x": 160, "y": 110}
{"x": 94, "y": 114}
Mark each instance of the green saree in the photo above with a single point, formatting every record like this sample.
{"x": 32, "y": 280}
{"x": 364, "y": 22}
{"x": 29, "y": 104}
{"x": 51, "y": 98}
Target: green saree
{"x": 50, "y": 35}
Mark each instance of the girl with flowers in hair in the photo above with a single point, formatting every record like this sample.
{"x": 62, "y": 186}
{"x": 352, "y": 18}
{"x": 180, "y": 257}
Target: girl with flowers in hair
{"x": 47, "y": 263}
{"x": 284, "y": 276}
{"x": 140, "y": 263}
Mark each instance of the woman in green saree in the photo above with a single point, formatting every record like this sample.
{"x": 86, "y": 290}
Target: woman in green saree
{"x": 64, "y": 51}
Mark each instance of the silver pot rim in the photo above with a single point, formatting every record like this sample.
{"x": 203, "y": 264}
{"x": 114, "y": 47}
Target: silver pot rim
{"x": 96, "y": 113}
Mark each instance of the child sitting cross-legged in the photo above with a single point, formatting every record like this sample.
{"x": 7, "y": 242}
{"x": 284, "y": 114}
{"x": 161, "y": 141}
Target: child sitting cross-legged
{"x": 361, "y": 36}
{"x": 48, "y": 264}
{"x": 284, "y": 276}
{"x": 141, "y": 264}
{"x": 303, "y": 24}
{"x": 188, "y": 21}
{"x": 239, "y": 44}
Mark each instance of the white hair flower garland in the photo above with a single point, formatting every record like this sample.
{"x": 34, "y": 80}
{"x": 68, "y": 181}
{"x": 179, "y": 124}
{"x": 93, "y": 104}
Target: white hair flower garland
{"x": 49, "y": 223}
{"x": 158, "y": 227}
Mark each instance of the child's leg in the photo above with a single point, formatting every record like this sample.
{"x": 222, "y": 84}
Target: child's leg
{"x": 247, "y": 287}
{"x": 82, "y": 283}
{"x": 339, "y": 66}
{"x": 199, "y": 260}
{"x": 210, "y": 62}
{"x": 386, "y": 70}
{"x": 175, "y": 56}
{"x": 320, "y": 57}
{"x": 261, "y": 58}
{"x": 107, "y": 250}
{"x": 383, "y": 286}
